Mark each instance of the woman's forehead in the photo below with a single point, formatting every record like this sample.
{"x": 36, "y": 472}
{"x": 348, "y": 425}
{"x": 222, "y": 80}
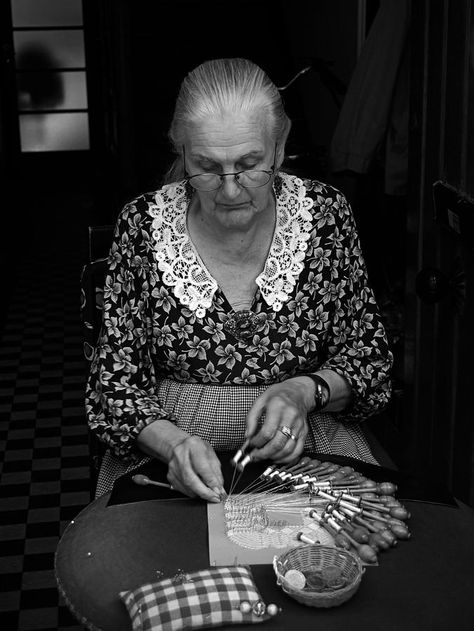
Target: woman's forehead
{"x": 230, "y": 134}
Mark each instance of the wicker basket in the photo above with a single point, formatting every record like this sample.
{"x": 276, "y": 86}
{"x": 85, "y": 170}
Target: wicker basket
{"x": 317, "y": 559}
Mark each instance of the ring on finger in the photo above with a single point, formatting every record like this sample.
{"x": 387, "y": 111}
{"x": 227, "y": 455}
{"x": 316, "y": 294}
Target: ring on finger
{"x": 284, "y": 429}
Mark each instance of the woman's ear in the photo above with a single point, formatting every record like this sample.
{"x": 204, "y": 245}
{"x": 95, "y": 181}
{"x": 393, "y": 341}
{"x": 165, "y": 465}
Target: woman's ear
{"x": 280, "y": 156}
{"x": 281, "y": 145}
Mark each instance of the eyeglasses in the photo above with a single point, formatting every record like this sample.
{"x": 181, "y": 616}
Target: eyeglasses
{"x": 249, "y": 178}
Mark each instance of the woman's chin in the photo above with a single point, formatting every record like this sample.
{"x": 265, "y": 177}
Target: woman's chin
{"x": 241, "y": 215}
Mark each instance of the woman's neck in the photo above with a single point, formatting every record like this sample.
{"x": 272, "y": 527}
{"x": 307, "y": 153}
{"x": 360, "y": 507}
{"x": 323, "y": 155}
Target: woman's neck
{"x": 234, "y": 244}
{"x": 233, "y": 257}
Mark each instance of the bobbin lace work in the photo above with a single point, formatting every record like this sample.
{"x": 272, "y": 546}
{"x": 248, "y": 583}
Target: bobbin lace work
{"x": 180, "y": 264}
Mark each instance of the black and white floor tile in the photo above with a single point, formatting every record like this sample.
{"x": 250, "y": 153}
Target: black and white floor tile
{"x": 44, "y": 464}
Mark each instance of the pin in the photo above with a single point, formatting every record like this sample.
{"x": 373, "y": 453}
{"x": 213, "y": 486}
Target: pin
{"x": 272, "y": 609}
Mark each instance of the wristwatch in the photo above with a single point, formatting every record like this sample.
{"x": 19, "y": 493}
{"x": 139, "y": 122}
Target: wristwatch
{"x": 322, "y": 393}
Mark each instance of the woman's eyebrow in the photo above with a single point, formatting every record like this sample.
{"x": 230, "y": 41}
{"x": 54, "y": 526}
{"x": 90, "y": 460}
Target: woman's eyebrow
{"x": 200, "y": 156}
{"x": 250, "y": 154}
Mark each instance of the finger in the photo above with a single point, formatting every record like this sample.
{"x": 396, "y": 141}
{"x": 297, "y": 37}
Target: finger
{"x": 254, "y": 415}
{"x": 289, "y": 453}
{"x": 206, "y": 463}
{"x": 294, "y": 453}
{"x": 190, "y": 482}
{"x": 278, "y": 446}
{"x": 217, "y": 467}
{"x": 208, "y": 468}
{"x": 278, "y": 414}
{"x": 209, "y": 493}
{"x": 192, "y": 465}
{"x": 266, "y": 434}
{"x": 282, "y": 447}
{"x": 175, "y": 479}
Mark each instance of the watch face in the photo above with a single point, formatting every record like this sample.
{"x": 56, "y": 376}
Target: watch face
{"x": 322, "y": 393}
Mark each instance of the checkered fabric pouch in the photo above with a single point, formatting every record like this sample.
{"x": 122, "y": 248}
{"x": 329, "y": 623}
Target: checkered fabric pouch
{"x": 203, "y": 599}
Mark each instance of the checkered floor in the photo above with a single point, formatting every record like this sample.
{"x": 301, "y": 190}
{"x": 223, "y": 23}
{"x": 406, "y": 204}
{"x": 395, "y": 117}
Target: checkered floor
{"x": 43, "y": 442}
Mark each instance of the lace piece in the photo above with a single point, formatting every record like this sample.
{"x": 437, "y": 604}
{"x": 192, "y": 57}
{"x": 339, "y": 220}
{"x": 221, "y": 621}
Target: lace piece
{"x": 285, "y": 260}
{"x": 250, "y": 522}
{"x": 180, "y": 264}
{"x": 192, "y": 285}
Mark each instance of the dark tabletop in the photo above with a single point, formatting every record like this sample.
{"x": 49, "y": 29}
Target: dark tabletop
{"x": 121, "y": 541}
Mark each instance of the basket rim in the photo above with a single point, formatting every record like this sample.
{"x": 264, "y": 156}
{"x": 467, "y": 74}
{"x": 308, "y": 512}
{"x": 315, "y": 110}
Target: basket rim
{"x": 315, "y": 593}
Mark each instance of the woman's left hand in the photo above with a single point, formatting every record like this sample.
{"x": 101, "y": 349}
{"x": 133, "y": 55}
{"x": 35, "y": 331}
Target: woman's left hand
{"x": 286, "y": 405}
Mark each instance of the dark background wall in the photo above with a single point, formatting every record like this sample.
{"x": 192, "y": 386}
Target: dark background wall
{"x": 146, "y": 48}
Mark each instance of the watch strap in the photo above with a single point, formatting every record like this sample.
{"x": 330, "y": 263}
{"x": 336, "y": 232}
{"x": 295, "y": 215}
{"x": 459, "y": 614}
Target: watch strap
{"x": 322, "y": 393}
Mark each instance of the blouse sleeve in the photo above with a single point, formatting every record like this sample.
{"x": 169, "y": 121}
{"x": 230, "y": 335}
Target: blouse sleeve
{"x": 120, "y": 398}
{"x": 357, "y": 347}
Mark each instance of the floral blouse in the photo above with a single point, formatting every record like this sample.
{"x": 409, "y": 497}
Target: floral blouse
{"x": 164, "y": 314}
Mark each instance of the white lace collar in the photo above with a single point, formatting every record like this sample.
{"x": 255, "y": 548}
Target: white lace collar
{"x": 180, "y": 264}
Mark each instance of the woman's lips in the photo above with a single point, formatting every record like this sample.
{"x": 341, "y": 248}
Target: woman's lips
{"x": 235, "y": 206}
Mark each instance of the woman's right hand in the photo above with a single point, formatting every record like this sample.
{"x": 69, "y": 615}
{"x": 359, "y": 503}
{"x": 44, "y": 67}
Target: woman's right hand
{"x": 194, "y": 469}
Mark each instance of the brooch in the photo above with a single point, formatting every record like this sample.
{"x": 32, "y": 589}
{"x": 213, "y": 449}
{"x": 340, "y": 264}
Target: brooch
{"x": 244, "y": 324}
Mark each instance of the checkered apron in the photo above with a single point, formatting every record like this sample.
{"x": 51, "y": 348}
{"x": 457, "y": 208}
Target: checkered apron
{"x": 216, "y": 413}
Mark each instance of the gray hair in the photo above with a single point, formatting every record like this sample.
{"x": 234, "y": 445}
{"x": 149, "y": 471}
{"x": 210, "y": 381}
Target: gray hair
{"x": 220, "y": 86}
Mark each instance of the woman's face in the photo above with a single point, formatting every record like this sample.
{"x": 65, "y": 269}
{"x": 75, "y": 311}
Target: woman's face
{"x": 227, "y": 144}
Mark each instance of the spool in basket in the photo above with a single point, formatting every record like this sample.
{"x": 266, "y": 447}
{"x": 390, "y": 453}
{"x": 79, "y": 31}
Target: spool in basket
{"x": 316, "y": 558}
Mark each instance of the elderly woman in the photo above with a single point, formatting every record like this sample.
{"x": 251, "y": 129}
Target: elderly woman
{"x": 236, "y": 302}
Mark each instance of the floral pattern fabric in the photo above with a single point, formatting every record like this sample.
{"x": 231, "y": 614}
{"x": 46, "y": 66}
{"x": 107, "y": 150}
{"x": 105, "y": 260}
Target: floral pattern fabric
{"x": 164, "y": 316}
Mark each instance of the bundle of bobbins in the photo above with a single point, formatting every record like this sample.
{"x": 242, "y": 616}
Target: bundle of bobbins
{"x": 361, "y": 515}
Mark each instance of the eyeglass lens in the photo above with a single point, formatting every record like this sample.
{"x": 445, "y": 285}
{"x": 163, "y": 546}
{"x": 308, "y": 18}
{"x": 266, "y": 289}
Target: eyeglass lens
{"x": 247, "y": 179}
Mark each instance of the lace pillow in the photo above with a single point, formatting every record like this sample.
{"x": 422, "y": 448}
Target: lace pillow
{"x": 201, "y": 599}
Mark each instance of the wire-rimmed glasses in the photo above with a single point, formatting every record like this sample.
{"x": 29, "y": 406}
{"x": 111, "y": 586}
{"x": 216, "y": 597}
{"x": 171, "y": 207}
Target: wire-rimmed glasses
{"x": 248, "y": 178}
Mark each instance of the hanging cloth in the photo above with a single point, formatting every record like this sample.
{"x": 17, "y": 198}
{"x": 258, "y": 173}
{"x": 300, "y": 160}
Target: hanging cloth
{"x": 375, "y": 108}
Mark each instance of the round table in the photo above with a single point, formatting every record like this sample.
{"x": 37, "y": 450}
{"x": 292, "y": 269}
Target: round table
{"x": 422, "y": 584}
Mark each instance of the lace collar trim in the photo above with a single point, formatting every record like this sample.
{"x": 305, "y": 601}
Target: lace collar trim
{"x": 180, "y": 264}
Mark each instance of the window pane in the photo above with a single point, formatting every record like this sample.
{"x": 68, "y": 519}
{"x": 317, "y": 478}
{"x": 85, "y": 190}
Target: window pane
{"x": 54, "y": 132}
{"x": 49, "y": 49}
{"x": 51, "y": 90}
{"x": 47, "y": 12}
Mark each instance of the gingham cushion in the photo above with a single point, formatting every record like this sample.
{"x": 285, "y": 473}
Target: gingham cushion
{"x": 207, "y": 598}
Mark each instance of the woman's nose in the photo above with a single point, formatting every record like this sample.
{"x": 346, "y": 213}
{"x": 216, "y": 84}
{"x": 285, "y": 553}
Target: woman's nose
{"x": 230, "y": 187}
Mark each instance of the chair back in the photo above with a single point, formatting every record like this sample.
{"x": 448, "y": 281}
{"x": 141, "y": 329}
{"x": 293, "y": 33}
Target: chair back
{"x": 92, "y": 300}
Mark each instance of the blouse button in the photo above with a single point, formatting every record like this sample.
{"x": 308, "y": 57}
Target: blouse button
{"x": 200, "y": 313}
